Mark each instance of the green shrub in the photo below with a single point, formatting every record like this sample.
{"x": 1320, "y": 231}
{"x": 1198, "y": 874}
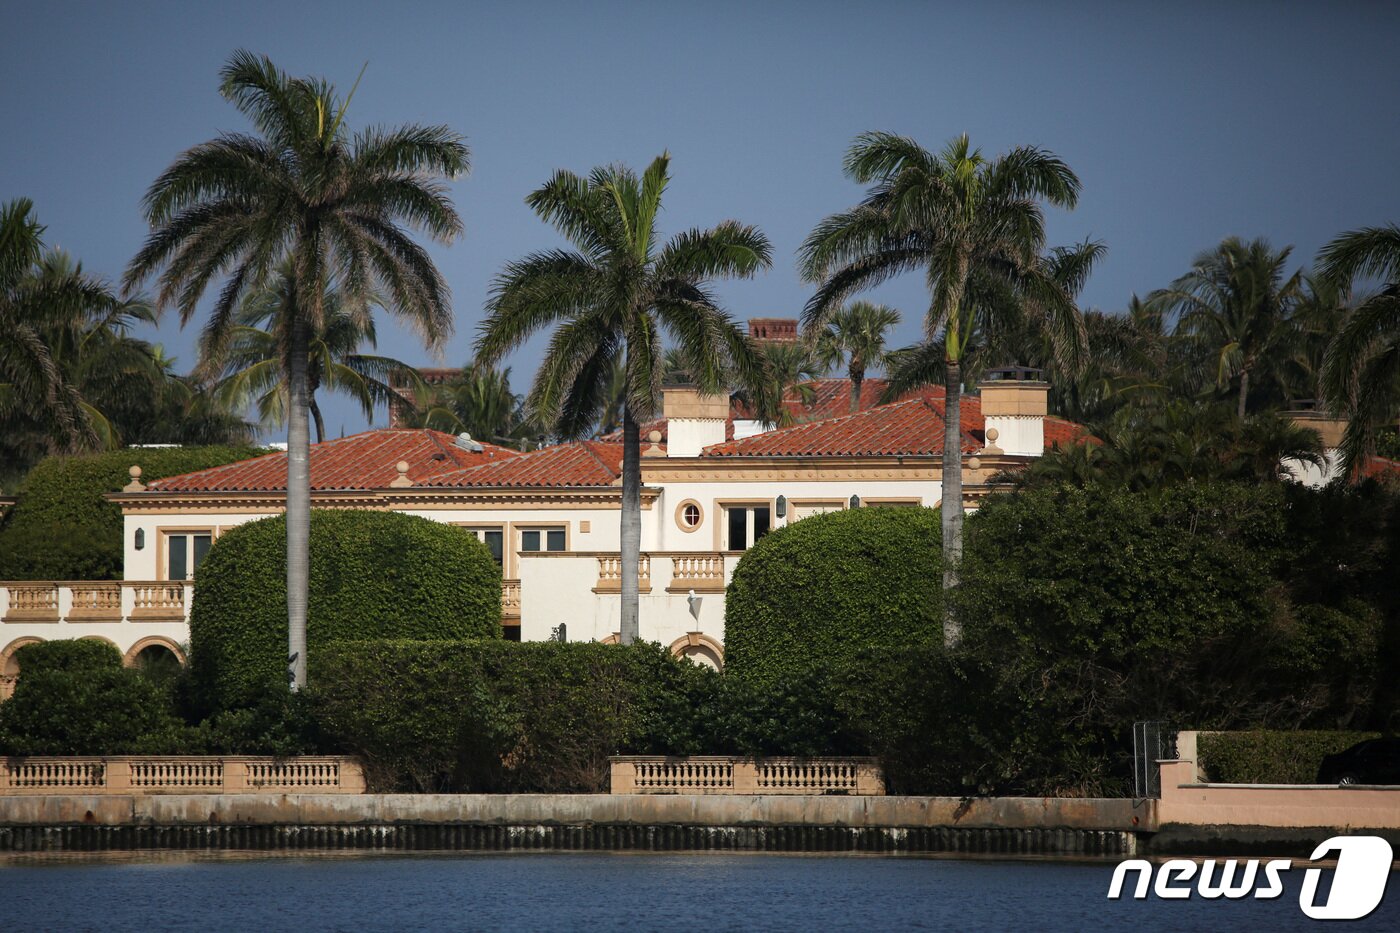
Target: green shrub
{"x": 1086, "y": 609}
{"x": 372, "y": 575}
{"x": 75, "y": 698}
{"x": 816, "y": 593}
{"x": 62, "y": 529}
{"x": 1264, "y": 757}
{"x": 490, "y": 716}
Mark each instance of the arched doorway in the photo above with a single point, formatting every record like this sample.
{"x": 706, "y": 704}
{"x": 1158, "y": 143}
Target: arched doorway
{"x": 9, "y": 665}
{"x": 699, "y": 648}
{"x": 158, "y": 657}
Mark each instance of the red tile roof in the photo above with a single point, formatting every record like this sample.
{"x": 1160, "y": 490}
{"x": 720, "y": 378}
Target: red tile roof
{"x": 584, "y": 463}
{"x": 360, "y": 461}
{"x": 912, "y": 427}
{"x": 1379, "y": 467}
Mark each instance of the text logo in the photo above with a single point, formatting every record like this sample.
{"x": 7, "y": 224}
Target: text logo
{"x": 1358, "y": 880}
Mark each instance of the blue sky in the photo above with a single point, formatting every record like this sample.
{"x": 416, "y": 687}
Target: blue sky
{"x": 1186, "y": 122}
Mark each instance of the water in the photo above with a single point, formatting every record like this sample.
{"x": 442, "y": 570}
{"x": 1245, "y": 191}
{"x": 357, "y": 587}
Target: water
{"x": 609, "y": 891}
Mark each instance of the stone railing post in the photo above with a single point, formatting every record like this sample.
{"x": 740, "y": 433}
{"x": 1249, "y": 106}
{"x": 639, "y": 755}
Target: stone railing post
{"x": 745, "y": 776}
{"x": 118, "y": 774}
{"x": 622, "y": 777}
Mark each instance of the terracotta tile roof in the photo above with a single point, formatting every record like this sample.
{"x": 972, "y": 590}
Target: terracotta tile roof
{"x": 912, "y": 427}
{"x": 360, "y": 461}
{"x": 584, "y": 463}
{"x": 830, "y": 398}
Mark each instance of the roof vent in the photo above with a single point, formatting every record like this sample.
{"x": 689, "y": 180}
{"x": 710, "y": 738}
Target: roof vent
{"x": 464, "y": 441}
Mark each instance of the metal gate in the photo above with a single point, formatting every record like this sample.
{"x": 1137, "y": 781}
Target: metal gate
{"x": 1153, "y": 741}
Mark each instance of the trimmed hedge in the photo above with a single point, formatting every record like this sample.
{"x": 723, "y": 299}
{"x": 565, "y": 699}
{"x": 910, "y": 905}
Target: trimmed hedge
{"x": 500, "y": 716}
{"x": 372, "y": 575}
{"x": 75, "y": 698}
{"x": 62, "y": 529}
{"x": 816, "y": 593}
{"x": 1265, "y": 757}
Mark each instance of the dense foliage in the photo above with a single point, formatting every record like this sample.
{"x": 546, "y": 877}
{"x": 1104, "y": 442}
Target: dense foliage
{"x": 62, "y": 528}
{"x": 1264, "y": 757}
{"x": 1086, "y": 609}
{"x": 500, "y": 716}
{"x": 373, "y": 575}
{"x": 75, "y": 698}
{"x": 811, "y": 595}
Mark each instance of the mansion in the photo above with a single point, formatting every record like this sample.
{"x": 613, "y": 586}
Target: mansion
{"x": 714, "y": 482}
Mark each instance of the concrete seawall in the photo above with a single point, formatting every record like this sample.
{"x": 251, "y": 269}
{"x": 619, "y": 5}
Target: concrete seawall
{"x": 1007, "y": 826}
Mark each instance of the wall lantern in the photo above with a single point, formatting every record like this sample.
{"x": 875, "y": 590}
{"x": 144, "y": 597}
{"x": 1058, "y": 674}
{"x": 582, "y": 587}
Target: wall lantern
{"x": 140, "y": 538}
{"x": 855, "y": 502}
{"x": 782, "y": 506}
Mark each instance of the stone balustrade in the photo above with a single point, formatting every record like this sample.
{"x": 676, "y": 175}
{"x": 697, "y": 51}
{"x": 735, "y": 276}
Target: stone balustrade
{"x": 124, "y": 774}
{"x": 715, "y": 774}
{"x": 610, "y": 574}
{"x": 510, "y": 599}
{"x": 703, "y": 573}
{"x": 90, "y": 601}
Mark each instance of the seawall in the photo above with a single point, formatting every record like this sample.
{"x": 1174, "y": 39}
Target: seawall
{"x": 1002, "y": 826}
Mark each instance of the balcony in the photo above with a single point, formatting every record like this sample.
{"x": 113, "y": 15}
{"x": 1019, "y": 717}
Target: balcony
{"x": 44, "y": 602}
{"x": 41, "y": 602}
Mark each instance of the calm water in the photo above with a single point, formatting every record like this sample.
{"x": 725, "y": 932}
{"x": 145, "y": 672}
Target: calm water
{"x": 602, "y": 892}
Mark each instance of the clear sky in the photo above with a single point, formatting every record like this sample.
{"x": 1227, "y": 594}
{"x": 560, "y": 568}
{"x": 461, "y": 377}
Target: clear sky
{"x": 1186, "y": 122}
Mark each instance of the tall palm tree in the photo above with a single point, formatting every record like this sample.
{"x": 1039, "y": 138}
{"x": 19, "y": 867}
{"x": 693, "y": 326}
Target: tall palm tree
{"x": 973, "y": 225}
{"x": 302, "y": 191}
{"x": 616, "y": 292}
{"x": 855, "y": 336}
{"x": 252, "y": 364}
{"x": 1361, "y": 372}
{"x": 1234, "y": 306}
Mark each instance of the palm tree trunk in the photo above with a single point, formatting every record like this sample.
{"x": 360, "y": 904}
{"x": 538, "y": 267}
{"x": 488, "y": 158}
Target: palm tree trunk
{"x": 630, "y": 551}
{"x": 1244, "y": 393}
{"x": 316, "y": 417}
{"x": 298, "y": 502}
{"x": 857, "y": 379}
{"x": 952, "y": 508}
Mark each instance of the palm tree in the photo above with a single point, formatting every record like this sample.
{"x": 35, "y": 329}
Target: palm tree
{"x": 252, "y": 364}
{"x": 791, "y": 370}
{"x": 1234, "y": 306}
{"x": 304, "y": 192}
{"x": 974, "y": 226}
{"x": 615, "y": 293}
{"x": 855, "y": 336}
{"x": 1361, "y": 372}
{"x": 479, "y": 401}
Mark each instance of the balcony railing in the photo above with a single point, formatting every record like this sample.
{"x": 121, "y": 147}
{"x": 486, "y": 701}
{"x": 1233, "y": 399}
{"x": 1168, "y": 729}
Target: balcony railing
{"x": 89, "y": 601}
{"x": 703, "y": 573}
{"x": 610, "y": 574}
{"x": 45, "y": 601}
{"x": 510, "y": 599}
{"x": 193, "y": 774}
{"x": 714, "y": 774}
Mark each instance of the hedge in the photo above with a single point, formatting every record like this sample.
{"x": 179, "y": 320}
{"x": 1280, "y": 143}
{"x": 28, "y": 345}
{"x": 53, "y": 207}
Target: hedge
{"x": 62, "y": 529}
{"x": 75, "y": 698}
{"x": 1264, "y": 757}
{"x": 500, "y": 716}
{"x": 372, "y": 575}
{"x": 816, "y": 593}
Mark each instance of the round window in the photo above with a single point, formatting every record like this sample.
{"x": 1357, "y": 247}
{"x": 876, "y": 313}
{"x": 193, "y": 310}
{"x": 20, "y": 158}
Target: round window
{"x": 690, "y": 515}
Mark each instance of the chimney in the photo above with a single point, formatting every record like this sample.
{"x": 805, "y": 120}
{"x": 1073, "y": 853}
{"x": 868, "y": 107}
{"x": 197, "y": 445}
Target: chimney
{"x": 773, "y": 329}
{"x": 693, "y": 421}
{"x": 1307, "y": 414}
{"x": 1015, "y": 400}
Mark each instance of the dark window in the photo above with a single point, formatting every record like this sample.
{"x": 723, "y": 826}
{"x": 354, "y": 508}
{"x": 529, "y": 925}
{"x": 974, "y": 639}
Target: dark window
{"x": 495, "y": 541}
{"x": 738, "y": 529}
{"x": 554, "y": 540}
{"x": 184, "y": 554}
{"x": 529, "y": 540}
{"x": 760, "y": 522}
